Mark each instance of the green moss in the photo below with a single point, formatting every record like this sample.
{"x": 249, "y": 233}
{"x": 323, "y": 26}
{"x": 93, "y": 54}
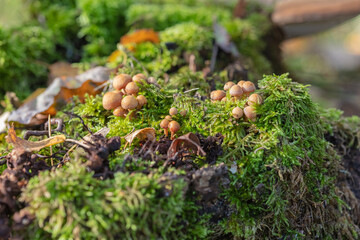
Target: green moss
{"x": 69, "y": 202}
{"x": 160, "y": 17}
{"x": 21, "y": 65}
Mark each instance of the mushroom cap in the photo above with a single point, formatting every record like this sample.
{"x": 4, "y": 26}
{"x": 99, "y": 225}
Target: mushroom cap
{"x": 164, "y": 124}
{"x": 141, "y": 100}
{"x": 129, "y": 102}
{"x": 112, "y": 100}
{"x": 236, "y": 91}
{"x": 237, "y": 112}
{"x": 173, "y": 111}
{"x": 168, "y": 117}
{"x": 183, "y": 112}
{"x": 240, "y": 83}
{"x": 138, "y": 78}
{"x": 120, "y": 112}
{"x": 224, "y": 99}
{"x": 131, "y": 88}
{"x": 228, "y": 85}
{"x": 248, "y": 87}
{"x": 254, "y": 99}
{"x": 250, "y": 113}
{"x": 217, "y": 95}
{"x": 121, "y": 80}
{"x": 174, "y": 126}
{"x": 151, "y": 80}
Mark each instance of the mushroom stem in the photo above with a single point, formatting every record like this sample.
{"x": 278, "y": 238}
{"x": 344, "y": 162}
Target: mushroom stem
{"x": 166, "y": 132}
{"x": 172, "y": 136}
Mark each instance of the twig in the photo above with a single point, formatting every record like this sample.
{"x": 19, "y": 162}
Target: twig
{"x": 81, "y": 120}
{"x": 58, "y": 128}
{"x": 51, "y": 152}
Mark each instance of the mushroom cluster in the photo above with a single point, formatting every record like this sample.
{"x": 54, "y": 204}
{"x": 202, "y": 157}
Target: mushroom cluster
{"x": 124, "y": 98}
{"x": 239, "y": 91}
{"x": 169, "y": 124}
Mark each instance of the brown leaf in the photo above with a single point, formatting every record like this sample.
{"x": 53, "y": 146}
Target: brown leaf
{"x": 141, "y": 134}
{"x": 189, "y": 141}
{"x": 139, "y": 36}
{"x": 32, "y": 146}
{"x": 62, "y": 69}
{"x": 60, "y": 91}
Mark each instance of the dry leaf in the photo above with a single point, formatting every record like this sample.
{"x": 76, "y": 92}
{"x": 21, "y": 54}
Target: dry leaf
{"x": 139, "y": 36}
{"x": 32, "y": 146}
{"x": 60, "y": 91}
{"x": 141, "y": 134}
{"x": 62, "y": 69}
{"x": 189, "y": 141}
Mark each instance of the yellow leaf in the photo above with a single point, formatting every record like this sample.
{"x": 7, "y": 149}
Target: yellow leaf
{"x": 141, "y": 134}
{"x": 32, "y": 146}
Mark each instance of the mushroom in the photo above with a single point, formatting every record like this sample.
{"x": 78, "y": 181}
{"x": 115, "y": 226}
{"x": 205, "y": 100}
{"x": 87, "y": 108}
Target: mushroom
{"x": 228, "y": 85}
{"x": 248, "y": 87}
{"x": 237, "y": 112}
{"x": 151, "y": 80}
{"x": 224, "y": 99}
{"x": 183, "y": 112}
{"x": 131, "y": 88}
{"x": 236, "y": 91}
{"x": 254, "y": 99}
{"x": 129, "y": 102}
{"x": 174, "y": 126}
{"x": 121, "y": 80}
{"x": 240, "y": 83}
{"x": 168, "y": 117}
{"x": 139, "y": 77}
{"x": 173, "y": 111}
{"x": 217, "y": 95}
{"x": 120, "y": 112}
{"x": 112, "y": 100}
{"x": 164, "y": 124}
{"x": 141, "y": 100}
{"x": 250, "y": 114}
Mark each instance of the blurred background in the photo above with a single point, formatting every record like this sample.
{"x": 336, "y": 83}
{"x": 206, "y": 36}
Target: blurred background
{"x": 329, "y": 60}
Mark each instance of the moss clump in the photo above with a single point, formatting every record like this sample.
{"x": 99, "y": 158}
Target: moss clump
{"x": 70, "y": 203}
{"x": 161, "y": 16}
{"x": 22, "y": 66}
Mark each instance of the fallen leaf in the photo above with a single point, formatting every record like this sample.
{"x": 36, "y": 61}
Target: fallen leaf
{"x": 62, "y": 69}
{"x": 141, "y": 134}
{"x": 60, "y": 91}
{"x": 29, "y": 146}
{"x": 223, "y": 40}
{"x": 189, "y": 141}
{"x": 139, "y": 36}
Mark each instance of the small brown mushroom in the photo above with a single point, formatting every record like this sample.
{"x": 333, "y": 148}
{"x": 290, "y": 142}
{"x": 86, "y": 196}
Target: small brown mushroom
{"x": 248, "y": 87}
{"x": 217, "y": 95}
{"x": 236, "y": 91}
{"x": 174, "y": 126}
{"x": 141, "y": 100}
{"x": 254, "y": 99}
{"x": 173, "y": 111}
{"x": 237, "y": 112}
{"x": 168, "y": 117}
{"x": 138, "y": 78}
{"x": 151, "y": 80}
{"x": 129, "y": 102}
{"x": 250, "y": 113}
{"x": 131, "y": 88}
{"x": 228, "y": 85}
{"x": 120, "y": 112}
{"x": 224, "y": 99}
{"x": 164, "y": 124}
{"x": 121, "y": 80}
{"x": 112, "y": 100}
{"x": 183, "y": 112}
{"x": 240, "y": 83}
